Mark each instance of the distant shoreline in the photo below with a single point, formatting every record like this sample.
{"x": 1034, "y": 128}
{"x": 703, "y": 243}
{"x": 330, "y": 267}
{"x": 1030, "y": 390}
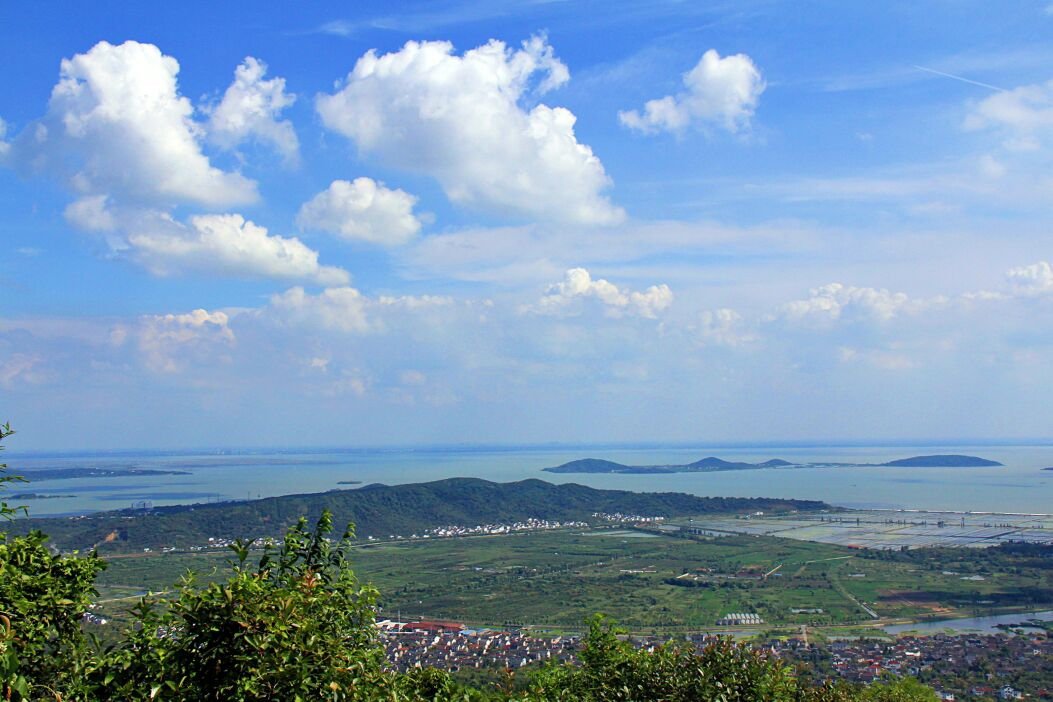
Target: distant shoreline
{"x": 79, "y": 473}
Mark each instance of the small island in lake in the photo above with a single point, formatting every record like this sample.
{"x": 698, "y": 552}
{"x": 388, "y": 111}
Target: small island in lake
{"x": 712, "y": 464}
{"x": 348, "y": 482}
{"x": 709, "y": 464}
{"x": 37, "y": 496}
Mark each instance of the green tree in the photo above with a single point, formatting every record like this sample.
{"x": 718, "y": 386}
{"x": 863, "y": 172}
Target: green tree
{"x": 297, "y": 625}
{"x": 43, "y": 651}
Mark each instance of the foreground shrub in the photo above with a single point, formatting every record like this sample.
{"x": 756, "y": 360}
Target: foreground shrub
{"x": 43, "y": 653}
{"x": 295, "y": 626}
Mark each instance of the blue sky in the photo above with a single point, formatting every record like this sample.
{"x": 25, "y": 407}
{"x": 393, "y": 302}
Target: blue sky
{"x": 525, "y": 222}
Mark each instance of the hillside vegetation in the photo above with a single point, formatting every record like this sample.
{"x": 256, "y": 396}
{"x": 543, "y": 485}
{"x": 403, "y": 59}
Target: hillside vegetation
{"x": 383, "y": 510}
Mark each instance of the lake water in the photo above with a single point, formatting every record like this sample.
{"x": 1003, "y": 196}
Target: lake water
{"x": 1019, "y": 486}
{"x": 986, "y": 625}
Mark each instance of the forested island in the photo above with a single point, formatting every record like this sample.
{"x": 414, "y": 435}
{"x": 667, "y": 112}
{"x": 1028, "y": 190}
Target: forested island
{"x": 943, "y": 461}
{"x": 711, "y": 464}
{"x": 383, "y": 510}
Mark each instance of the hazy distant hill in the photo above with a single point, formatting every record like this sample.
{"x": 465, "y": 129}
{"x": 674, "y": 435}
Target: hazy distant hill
{"x": 712, "y": 464}
{"x": 942, "y": 461}
{"x": 709, "y": 464}
{"x": 381, "y": 510}
{"x": 598, "y": 465}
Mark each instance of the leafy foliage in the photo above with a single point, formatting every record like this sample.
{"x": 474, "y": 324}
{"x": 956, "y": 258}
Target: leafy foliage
{"x": 296, "y": 626}
{"x": 6, "y": 511}
{"x": 42, "y": 597}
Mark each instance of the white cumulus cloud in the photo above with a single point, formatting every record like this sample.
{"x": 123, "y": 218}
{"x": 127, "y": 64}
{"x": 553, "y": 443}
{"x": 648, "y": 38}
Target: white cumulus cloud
{"x": 120, "y": 135}
{"x": 225, "y": 244}
{"x": 168, "y": 341}
{"x": 116, "y": 124}
{"x": 578, "y": 284}
{"x": 721, "y": 92}
{"x": 362, "y": 209}
{"x": 341, "y": 309}
{"x": 1035, "y": 279}
{"x": 724, "y": 327}
{"x": 460, "y": 120}
{"x": 830, "y": 303}
{"x": 91, "y": 213}
{"x": 250, "y": 109}
{"x": 345, "y": 310}
{"x": 1028, "y": 108}
{"x": 415, "y": 302}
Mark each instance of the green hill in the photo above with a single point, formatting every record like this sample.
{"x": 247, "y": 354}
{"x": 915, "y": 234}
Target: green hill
{"x": 382, "y": 510}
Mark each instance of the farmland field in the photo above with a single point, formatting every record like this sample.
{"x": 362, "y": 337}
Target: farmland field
{"x": 555, "y": 579}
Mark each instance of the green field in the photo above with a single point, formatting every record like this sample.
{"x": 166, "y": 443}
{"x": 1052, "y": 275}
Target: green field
{"x": 554, "y": 579}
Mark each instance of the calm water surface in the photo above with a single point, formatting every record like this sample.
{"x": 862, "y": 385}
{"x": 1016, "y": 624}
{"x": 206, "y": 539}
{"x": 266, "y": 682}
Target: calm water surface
{"x": 987, "y": 625}
{"x": 1019, "y": 486}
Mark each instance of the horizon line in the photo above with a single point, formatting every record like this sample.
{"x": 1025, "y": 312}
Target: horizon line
{"x": 548, "y": 445}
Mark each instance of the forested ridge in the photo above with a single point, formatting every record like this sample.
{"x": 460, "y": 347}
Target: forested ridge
{"x": 384, "y": 510}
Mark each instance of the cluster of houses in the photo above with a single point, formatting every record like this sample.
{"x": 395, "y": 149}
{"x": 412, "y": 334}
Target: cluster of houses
{"x": 960, "y": 667}
{"x": 525, "y": 525}
{"x": 624, "y": 518}
{"x": 451, "y": 646}
{"x": 531, "y": 524}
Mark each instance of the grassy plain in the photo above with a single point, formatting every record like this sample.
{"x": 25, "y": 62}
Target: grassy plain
{"x": 555, "y": 579}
